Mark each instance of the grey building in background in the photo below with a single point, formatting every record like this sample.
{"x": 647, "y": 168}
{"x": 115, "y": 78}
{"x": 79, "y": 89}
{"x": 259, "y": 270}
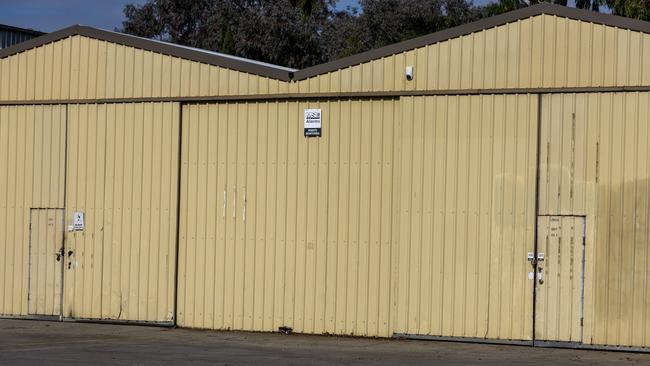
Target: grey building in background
{"x": 10, "y": 36}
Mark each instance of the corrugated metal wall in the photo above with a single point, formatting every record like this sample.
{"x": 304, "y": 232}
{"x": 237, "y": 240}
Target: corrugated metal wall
{"x": 10, "y": 37}
{"x": 409, "y": 216}
{"x": 123, "y": 174}
{"x": 83, "y": 68}
{"x": 281, "y": 230}
{"x": 466, "y": 216}
{"x": 542, "y": 51}
{"x": 32, "y": 158}
{"x": 598, "y": 159}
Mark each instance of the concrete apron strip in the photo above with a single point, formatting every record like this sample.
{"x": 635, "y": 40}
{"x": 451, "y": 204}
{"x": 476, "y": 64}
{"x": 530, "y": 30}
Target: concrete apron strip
{"x": 541, "y": 344}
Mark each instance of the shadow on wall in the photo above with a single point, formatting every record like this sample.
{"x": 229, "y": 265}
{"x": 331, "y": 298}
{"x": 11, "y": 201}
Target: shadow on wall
{"x": 621, "y": 290}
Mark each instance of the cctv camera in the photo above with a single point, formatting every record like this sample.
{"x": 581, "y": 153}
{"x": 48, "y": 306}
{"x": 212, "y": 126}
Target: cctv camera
{"x": 409, "y": 73}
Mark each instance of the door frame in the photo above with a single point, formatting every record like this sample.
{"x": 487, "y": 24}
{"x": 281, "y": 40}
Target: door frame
{"x": 582, "y": 267}
{"x": 58, "y": 316}
{"x": 176, "y": 236}
{"x": 535, "y": 341}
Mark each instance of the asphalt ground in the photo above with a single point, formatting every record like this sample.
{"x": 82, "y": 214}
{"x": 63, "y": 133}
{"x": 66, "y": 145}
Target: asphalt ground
{"x": 25, "y": 342}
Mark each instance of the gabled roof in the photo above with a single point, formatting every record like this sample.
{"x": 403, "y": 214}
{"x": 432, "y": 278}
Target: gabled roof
{"x": 287, "y": 74}
{"x": 189, "y": 53}
{"x": 465, "y": 29}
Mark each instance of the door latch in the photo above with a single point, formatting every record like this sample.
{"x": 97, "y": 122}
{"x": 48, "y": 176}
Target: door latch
{"x": 70, "y": 253}
{"x": 535, "y": 259}
{"x": 531, "y": 258}
{"x": 60, "y": 254}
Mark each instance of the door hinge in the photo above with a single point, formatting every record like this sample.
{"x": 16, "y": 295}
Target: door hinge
{"x": 582, "y": 322}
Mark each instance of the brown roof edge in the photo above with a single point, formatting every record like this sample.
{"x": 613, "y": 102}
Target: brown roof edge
{"x": 39, "y": 41}
{"x": 31, "y": 32}
{"x": 509, "y": 17}
{"x": 238, "y": 64}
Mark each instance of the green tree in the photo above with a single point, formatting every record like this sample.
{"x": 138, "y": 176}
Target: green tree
{"x": 285, "y": 32}
{"x": 383, "y": 22}
{"x": 503, "y": 6}
{"x": 302, "y": 33}
{"x": 637, "y": 9}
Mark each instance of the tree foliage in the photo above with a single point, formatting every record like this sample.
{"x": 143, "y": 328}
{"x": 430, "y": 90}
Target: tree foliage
{"x": 302, "y": 33}
{"x": 285, "y": 32}
{"x": 637, "y": 9}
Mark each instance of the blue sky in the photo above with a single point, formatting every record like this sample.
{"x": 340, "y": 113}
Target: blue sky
{"x": 51, "y": 15}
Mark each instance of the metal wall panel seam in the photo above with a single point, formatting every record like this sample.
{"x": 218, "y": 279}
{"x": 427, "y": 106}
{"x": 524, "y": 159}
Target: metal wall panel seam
{"x": 536, "y": 210}
{"x": 178, "y": 215}
{"x": 65, "y": 177}
{"x": 540, "y": 99}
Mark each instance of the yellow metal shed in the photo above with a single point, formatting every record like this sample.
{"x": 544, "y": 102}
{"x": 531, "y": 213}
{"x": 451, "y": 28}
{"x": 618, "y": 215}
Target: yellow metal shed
{"x": 498, "y": 193}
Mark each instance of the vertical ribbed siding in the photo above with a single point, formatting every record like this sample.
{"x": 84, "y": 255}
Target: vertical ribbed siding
{"x": 567, "y": 156}
{"x": 84, "y": 68}
{"x": 281, "y": 230}
{"x": 10, "y": 37}
{"x": 32, "y": 151}
{"x": 123, "y": 174}
{"x": 610, "y": 183}
{"x": 541, "y": 51}
{"x": 466, "y": 216}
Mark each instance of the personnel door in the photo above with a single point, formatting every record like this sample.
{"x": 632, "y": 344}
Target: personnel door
{"x": 560, "y": 278}
{"x": 45, "y": 262}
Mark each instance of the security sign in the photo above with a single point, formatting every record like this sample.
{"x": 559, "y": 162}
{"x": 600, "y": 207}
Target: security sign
{"x": 313, "y": 122}
{"x": 78, "y": 221}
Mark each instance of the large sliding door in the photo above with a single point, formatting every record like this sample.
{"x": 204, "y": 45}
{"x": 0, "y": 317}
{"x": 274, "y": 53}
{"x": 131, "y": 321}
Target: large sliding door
{"x": 121, "y": 210}
{"x": 466, "y": 216}
{"x": 278, "y": 229}
{"x": 594, "y": 174}
{"x": 32, "y": 171}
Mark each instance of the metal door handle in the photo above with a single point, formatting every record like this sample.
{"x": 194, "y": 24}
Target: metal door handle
{"x": 60, "y": 254}
{"x": 70, "y": 253}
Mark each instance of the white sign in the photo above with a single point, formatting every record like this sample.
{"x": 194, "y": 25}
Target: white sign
{"x": 313, "y": 122}
{"x": 78, "y": 221}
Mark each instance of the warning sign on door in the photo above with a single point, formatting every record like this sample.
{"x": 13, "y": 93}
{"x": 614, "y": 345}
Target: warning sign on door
{"x": 78, "y": 221}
